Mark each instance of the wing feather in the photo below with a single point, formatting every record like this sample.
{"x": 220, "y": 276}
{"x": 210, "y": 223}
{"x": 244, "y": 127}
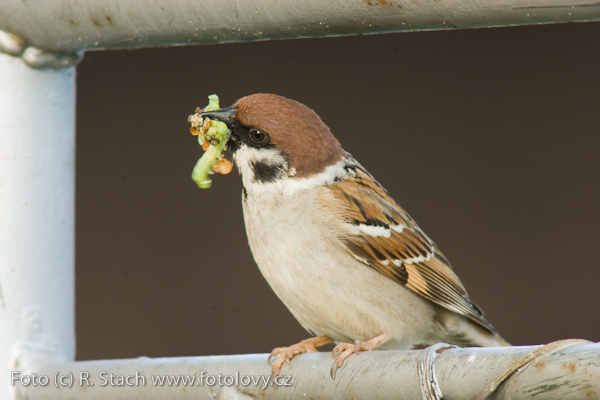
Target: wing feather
{"x": 382, "y": 235}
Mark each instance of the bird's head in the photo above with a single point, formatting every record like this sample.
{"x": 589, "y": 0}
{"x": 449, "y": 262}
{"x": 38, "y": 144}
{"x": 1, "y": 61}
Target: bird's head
{"x": 274, "y": 138}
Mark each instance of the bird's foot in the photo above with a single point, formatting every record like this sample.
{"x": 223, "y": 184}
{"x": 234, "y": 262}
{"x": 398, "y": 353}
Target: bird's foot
{"x": 283, "y": 354}
{"x": 344, "y": 350}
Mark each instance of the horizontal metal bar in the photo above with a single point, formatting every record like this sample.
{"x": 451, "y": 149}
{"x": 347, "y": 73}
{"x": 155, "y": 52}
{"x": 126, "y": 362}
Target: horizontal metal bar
{"x": 66, "y": 25}
{"x": 570, "y": 373}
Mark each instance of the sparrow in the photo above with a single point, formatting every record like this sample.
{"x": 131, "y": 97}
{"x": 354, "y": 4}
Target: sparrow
{"x": 347, "y": 261}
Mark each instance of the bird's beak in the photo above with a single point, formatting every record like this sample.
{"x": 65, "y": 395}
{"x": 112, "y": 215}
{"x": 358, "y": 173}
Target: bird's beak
{"x": 226, "y": 115}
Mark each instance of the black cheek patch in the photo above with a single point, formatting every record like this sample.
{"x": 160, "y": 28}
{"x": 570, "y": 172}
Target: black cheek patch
{"x": 266, "y": 172}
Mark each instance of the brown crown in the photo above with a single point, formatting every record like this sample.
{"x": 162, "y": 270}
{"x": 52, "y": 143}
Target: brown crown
{"x": 294, "y": 128}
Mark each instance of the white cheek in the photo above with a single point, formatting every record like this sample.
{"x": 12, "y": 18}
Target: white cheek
{"x": 242, "y": 160}
{"x": 289, "y": 185}
{"x": 245, "y": 156}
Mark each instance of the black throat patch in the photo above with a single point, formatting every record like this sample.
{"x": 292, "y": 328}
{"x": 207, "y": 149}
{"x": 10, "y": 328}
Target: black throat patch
{"x": 268, "y": 172}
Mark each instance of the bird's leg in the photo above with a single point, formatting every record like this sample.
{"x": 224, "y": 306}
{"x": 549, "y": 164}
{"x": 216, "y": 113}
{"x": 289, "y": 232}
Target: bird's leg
{"x": 346, "y": 349}
{"x": 284, "y": 354}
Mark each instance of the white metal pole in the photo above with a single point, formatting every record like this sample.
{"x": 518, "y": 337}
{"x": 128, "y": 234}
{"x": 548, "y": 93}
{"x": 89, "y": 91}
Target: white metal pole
{"x": 65, "y": 26}
{"x": 37, "y": 131}
{"x": 571, "y": 373}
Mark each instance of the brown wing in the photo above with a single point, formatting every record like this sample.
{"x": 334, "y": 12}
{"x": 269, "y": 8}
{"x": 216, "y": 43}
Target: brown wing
{"x": 385, "y": 237}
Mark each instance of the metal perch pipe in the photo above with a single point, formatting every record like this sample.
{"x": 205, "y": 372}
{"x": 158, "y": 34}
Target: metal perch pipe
{"x": 67, "y": 25}
{"x": 570, "y": 373}
{"x": 37, "y": 207}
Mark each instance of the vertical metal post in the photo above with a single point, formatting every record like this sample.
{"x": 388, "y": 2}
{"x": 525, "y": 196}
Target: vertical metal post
{"x": 37, "y": 132}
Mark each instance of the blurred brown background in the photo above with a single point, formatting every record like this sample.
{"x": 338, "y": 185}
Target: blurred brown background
{"x": 489, "y": 138}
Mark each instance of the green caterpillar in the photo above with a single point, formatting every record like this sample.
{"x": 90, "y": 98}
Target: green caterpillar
{"x": 217, "y": 134}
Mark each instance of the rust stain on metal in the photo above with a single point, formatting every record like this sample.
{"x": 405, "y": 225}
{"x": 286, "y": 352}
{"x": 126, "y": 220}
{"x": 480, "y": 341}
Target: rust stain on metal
{"x": 387, "y": 3}
{"x": 588, "y": 373}
{"x": 102, "y": 22}
{"x": 540, "y": 365}
{"x": 571, "y": 366}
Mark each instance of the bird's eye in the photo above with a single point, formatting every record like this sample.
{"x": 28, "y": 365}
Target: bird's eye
{"x": 258, "y": 137}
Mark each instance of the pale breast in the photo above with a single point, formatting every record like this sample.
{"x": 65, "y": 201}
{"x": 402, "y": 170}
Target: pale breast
{"x": 293, "y": 240}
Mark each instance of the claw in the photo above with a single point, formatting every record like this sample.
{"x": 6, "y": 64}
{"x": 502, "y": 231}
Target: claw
{"x": 334, "y": 369}
{"x": 336, "y": 351}
{"x": 287, "y": 353}
{"x": 274, "y": 372}
{"x": 345, "y": 350}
